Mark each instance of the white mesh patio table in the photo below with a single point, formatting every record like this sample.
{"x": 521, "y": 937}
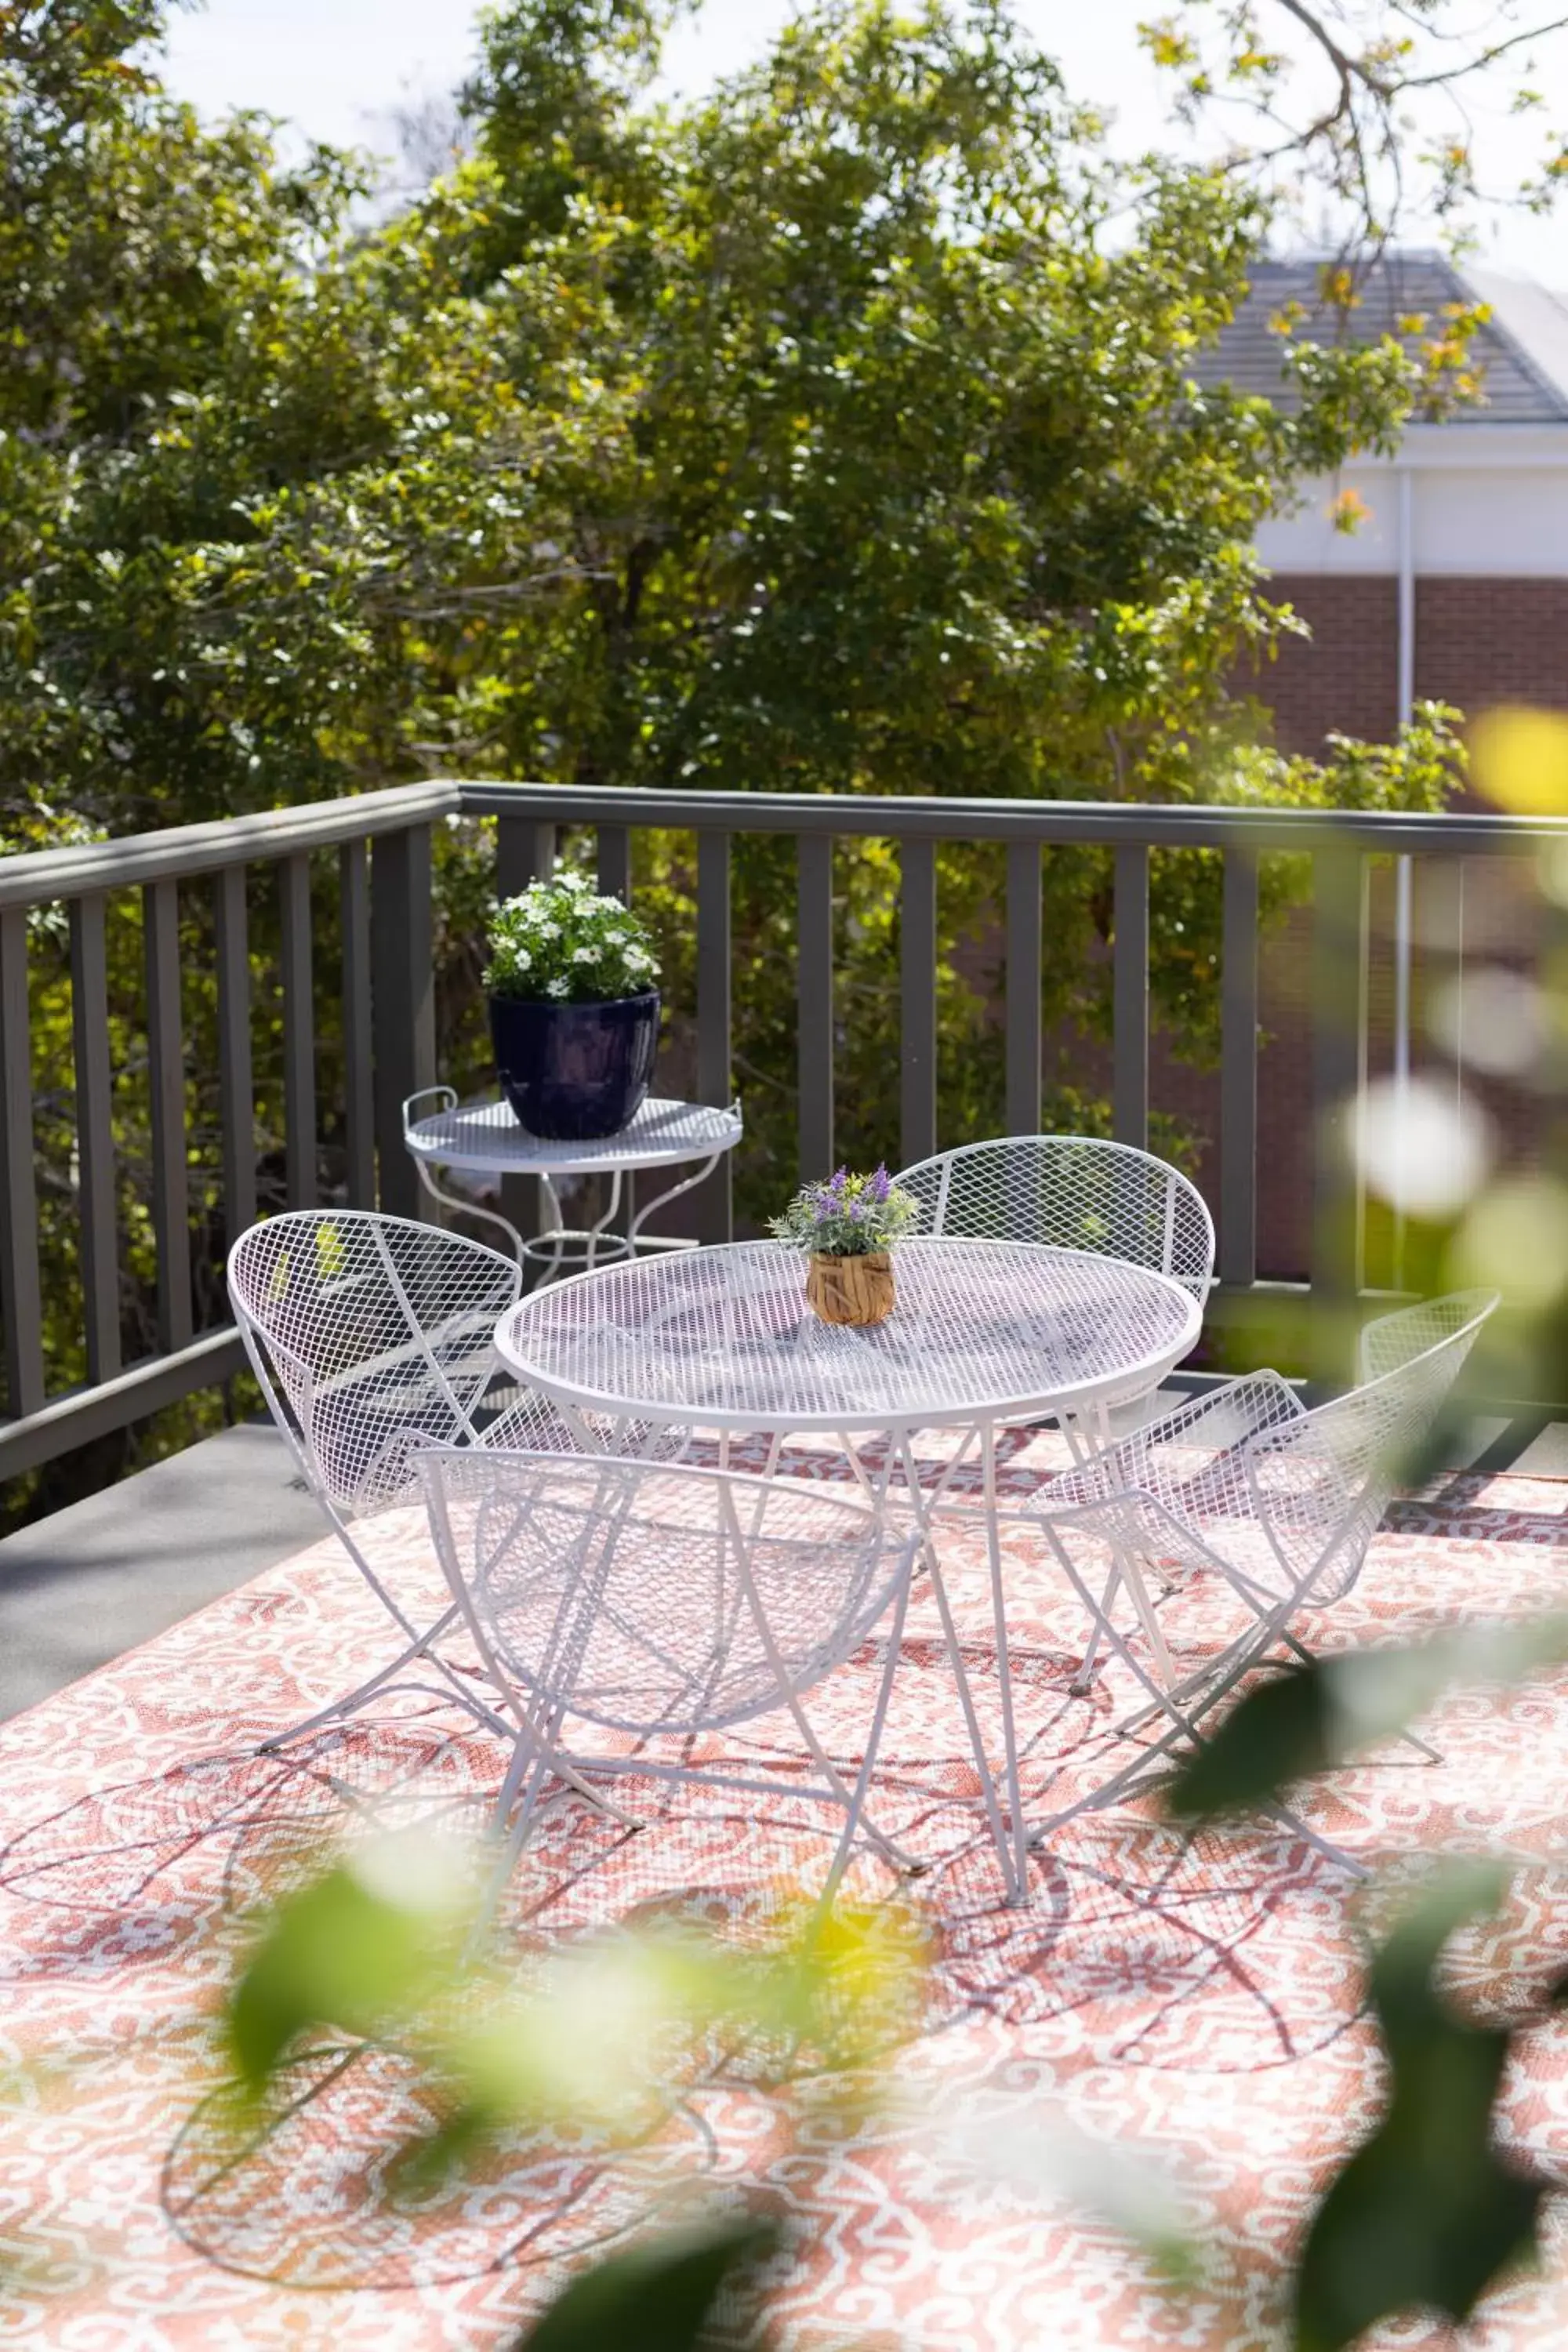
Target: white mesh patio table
{"x": 984, "y": 1333}
{"x": 484, "y": 1137}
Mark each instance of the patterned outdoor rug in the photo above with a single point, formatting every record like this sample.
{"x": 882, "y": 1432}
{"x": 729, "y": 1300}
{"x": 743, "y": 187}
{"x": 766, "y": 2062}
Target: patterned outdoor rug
{"x": 1202, "y": 2001}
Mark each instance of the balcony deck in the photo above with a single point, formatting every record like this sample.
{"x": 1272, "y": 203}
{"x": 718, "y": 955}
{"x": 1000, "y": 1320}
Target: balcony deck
{"x": 83, "y": 1585}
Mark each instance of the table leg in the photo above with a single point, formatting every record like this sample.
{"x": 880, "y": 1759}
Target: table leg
{"x": 874, "y": 1494}
{"x": 1082, "y": 1456}
{"x": 1003, "y": 1669}
{"x": 853, "y": 1801}
{"x": 597, "y": 1229}
{"x": 634, "y": 1235}
{"x": 1125, "y": 1567}
{"x": 877, "y": 1491}
{"x": 551, "y": 1205}
{"x": 466, "y": 1208}
{"x": 1015, "y": 1885}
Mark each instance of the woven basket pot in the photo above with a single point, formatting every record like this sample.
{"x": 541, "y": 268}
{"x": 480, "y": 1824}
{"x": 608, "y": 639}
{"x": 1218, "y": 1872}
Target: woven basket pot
{"x": 851, "y": 1289}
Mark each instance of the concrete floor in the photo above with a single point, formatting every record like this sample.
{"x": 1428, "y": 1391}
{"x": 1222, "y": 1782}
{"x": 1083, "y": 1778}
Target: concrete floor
{"x": 88, "y": 1583}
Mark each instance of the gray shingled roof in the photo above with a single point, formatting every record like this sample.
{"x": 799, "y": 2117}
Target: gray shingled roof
{"x": 1520, "y": 386}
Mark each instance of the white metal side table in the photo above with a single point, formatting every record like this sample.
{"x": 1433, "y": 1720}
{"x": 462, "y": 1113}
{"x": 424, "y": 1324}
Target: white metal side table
{"x": 483, "y": 1137}
{"x": 984, "y": 1333}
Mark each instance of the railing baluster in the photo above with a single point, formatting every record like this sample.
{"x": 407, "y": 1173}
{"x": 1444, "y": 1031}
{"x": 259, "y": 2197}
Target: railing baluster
{"x": 1338, "y": 1014}
{"x": 813, "y": 1002}
{"x": 613, "y": 848}
{"x": 236, "y": 1075}
{"x": 359, "y": 1100}
{"x": 524, "y": 849}
{"x": 1238, "y": 1072}
{"x": 95, "y": 1136}
{"x": 299, "y": 1033}
{"x": 403, "y": 1004}
{"x": 1129, "y": 997}
{"x": 166, "y": 1091}
{"x": 917, "y": 992}
{"x": 614, "y": 861}
{"x": 1022, "y": 1016}
{"x": 715, "y": 1074}
{"x": 19, "y": 1198}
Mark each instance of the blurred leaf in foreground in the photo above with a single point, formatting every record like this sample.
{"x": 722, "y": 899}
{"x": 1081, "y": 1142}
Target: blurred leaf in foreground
{"x": 1308, "y": 1720}
{"x": 359, "y": 1948}
{"x": 589, "y": 2035}
{"x": 1520, "y": 760}
{"x": 1424, "y": 2213}
{"x": 659, "y": 2296}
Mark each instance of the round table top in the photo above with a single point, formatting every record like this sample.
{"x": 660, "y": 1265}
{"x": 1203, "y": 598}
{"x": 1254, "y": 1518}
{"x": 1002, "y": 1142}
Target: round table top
{"x": 485, "y": 1136}
{"x": 982, "y": 1330}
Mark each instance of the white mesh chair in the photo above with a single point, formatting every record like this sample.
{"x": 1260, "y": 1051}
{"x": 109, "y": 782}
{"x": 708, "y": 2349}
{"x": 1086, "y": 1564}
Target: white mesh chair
{"x": 661, "y": 1602}
{"x": 371, "y": 1335}
{"x": 1075, "y": 1192}
{"x": 1390, "y": 1341}
{"x": 1247, "y": 1485}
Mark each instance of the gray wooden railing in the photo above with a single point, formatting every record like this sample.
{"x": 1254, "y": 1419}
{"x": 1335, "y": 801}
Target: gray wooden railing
{"x": 384, "y": 845}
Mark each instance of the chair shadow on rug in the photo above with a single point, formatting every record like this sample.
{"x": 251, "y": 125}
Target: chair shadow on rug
{"x": 314, "y": 2189}
{"x": 315, "y": 2193}
{"x": 200, "y": 1826}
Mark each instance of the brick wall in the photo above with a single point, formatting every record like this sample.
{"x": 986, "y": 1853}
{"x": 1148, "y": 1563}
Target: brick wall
{"x": 1346, "y": 676}
{"x": 1477, "y": 642}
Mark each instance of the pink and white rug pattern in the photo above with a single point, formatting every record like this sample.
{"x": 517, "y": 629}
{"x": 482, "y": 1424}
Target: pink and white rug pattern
{"x": 1203, "y": 2002}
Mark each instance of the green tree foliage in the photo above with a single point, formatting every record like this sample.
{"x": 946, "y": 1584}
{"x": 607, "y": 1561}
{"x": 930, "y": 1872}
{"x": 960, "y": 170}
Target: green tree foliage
{"x": 819, "y": 434}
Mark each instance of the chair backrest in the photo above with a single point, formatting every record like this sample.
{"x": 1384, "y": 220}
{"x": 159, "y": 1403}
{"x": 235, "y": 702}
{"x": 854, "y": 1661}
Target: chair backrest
{"x": 1323, "y": 1482}
{"x": 649, "y": 1598}
{"x": 1390, "y": 1340}
{"x": 1073, "y": 1191}
{"x": 364, "y": 1331}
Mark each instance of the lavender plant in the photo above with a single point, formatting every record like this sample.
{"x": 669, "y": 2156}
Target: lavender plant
{"x": 559, "y": 942}
{"x": 848, "y": 1216}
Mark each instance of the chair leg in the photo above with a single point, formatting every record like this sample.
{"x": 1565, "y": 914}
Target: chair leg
{"x": 1404, "y": 1738}
{"x": 1136, "y": 1772}
{"x": 900, "y": 1859}
{"x": 340, "y": 1708}
{"x": 528, "y": 1764}
{"x": 911, "y": 1865}
{"x": 1153, "y": 1633}
{"x": 855, "y": 1798}
{"x": 1084, "y": 1678}
{"x": 1326, "y": 1846}
{"x": 1136, "y": 1776}
{"x": 966, "y": 1695}
{"x": 571, "y": 1771}
{"x": 1005, "y": 1670}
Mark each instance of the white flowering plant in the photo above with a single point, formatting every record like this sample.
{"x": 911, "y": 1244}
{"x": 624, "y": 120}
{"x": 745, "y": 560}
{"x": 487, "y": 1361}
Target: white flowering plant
{"x": 560, "y": 943}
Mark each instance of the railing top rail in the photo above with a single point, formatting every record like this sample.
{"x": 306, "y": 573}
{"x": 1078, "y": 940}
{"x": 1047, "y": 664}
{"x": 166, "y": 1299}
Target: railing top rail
{"x": 35, "y": 876}
{"x": 30, "y": 877}
{"x": 1206, "y": 825}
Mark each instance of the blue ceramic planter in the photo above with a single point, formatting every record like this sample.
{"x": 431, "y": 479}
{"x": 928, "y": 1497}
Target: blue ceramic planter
{"x": 576, "y": 1072}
